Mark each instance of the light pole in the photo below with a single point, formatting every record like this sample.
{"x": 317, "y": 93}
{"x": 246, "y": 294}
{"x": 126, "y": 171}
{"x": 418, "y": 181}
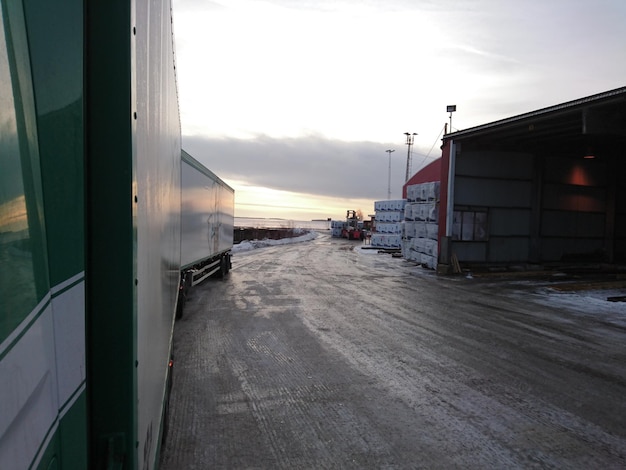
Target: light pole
{"x": 451, "y": 108}
{"x": 409, "y": 142}
{"x": 389, "y": 176}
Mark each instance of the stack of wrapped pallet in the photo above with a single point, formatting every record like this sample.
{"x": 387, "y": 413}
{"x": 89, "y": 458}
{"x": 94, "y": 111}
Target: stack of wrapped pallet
{"x": 389, "y": 223}
{"x": 421, "y": 225}
{"x": 336, "y": 226}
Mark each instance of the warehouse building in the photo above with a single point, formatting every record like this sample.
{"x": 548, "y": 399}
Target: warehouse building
{"x": 542, "y": 187}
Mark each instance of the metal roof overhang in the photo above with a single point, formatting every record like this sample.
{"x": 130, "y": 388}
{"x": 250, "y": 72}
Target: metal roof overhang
{"x": 598, "y": 121}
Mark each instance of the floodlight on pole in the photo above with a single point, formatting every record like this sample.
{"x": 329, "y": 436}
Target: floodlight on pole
{"x": 389, "y": 175}
{"x": 409, "y": 143}
{"x": 451, "y": 108}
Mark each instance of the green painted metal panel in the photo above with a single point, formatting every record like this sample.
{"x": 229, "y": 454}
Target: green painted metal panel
{"x": 55, "y": 40}
{"x": 67, "y": 446}
{"x": 23, "y": 277}
{"x": 133, "y": 235}
{"x": 55, "y": 36}
{"x": 89, "y": 183}
{"x": 73, "y": 436}
{"x": 110, "y": 235}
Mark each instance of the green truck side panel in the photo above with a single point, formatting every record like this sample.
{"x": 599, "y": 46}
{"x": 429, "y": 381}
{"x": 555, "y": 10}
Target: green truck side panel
{"x": 41, "y": 147}
{"x": 111, "y": 323}
{"x": 76, "y": 163}
{"x": 55, "y": 36}
{"x": 73, "y": 436}
{"x": 22, "y": 235}
{"x": 67, "y": 448}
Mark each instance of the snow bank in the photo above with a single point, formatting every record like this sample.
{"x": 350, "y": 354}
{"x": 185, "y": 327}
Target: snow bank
{"x": 248, "y": 245}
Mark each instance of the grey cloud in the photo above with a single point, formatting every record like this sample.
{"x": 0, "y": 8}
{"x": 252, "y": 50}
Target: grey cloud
{"x": 312, "y": 164}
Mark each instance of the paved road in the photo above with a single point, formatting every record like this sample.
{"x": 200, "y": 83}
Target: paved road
{"x": 315, "y": 355}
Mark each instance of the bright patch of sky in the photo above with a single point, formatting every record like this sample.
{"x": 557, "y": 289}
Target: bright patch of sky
{"x": 363, "y": 72}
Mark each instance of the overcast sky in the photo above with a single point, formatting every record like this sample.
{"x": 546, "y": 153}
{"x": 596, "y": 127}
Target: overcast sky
{"x": 294, "y": 102}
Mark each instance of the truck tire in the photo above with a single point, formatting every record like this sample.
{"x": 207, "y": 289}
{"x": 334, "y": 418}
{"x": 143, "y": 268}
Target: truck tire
{"x": 223, "y": 267}
{"x": 182, "y": 296}
{"x": 166, "y": 407}
{"x": 180, "y": 306}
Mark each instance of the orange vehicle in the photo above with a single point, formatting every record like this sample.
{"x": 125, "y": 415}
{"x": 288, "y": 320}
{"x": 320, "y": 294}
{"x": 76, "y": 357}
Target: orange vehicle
{"x": 351, "y": 229}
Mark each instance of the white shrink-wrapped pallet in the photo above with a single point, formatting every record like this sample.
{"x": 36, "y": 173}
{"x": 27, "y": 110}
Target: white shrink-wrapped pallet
{"x": 428, "y": 261}
{"x": 430, "y": 191}
{"x": 386, "y": 240}
{"x": 405, "y": 247}
{"x": 432, "y": 212}
{"x": 422, "y": 192}
{"x": 432, "y": 231}
{"x": 424, "y": 229}
{"x": 390, "y": 216}
{"x": 420, "y": 229}
{"x": 389, "y": 227}
{"x": 410, "y": 229}
{"x": 409, "y": 194}
{"x": 408, "y": 212}
{"x": 408, "y": 215}
{"x": 420, "y": 212}
{"x": 426, "y": 246}
{"x": 430, "y": 247}
{"x": 400, "y": 204}
{"x": 394, "y": 241}
{"x": 433, "y": 191}
{"x": 424, "y": 211}
{"x": 380, "y": 240}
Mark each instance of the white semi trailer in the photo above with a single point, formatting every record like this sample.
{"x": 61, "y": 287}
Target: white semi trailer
{"x": 207, "y": 223}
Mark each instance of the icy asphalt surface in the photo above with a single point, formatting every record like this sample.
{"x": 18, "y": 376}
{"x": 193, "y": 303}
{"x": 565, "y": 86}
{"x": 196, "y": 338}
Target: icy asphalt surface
{"x": 319, "y": 355}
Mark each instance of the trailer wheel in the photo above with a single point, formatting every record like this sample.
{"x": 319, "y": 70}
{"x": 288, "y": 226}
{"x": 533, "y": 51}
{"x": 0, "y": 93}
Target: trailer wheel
{"x": 182, "y": 296}
{"x": 223, "y": 266}
{"x": 166, "y": 407}
{"x": 180, "y": 306}
{"x": 228, "y": 265}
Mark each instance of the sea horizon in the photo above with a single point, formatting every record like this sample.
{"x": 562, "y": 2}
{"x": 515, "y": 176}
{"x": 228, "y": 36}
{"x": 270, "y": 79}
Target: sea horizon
{"x": 278, "y": 222}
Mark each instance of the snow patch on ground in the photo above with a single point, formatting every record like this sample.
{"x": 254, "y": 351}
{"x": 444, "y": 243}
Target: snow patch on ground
{"x": 587, "y": 302}
{"x": 248, "y": 245}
